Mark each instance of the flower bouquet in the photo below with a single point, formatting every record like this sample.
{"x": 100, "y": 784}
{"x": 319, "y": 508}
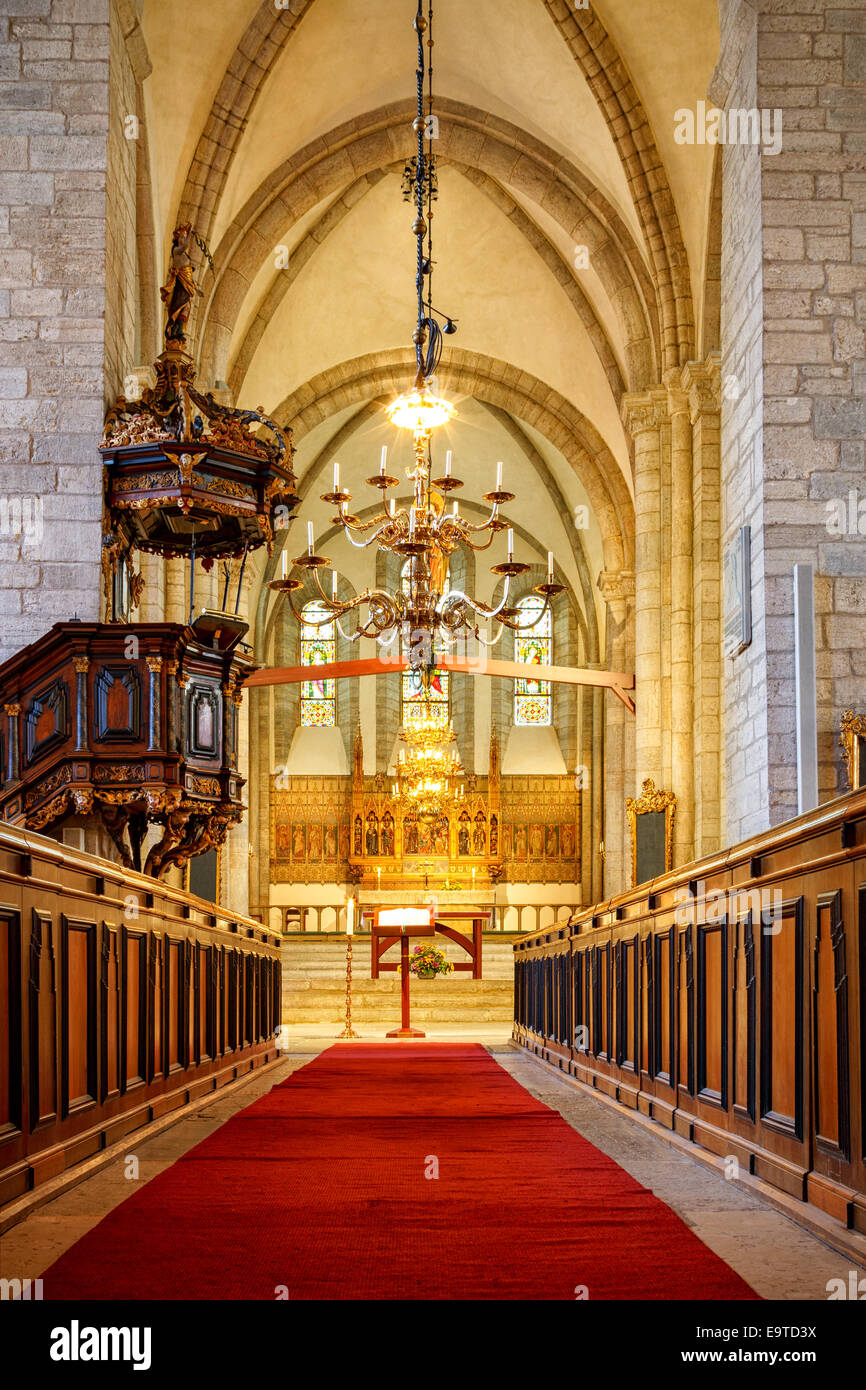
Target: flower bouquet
{"x": 428, "y": 961}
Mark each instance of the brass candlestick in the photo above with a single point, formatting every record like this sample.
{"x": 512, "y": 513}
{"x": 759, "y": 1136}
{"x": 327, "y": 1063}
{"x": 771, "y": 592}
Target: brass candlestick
{"x": 348, "y": 1031}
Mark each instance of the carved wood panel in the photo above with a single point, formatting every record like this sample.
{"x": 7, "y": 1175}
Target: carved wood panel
{"x": 78, "y": 1075}
{"x": 781, "y": 1012}
{"x": 43, "y": 1021}
{"x": 712, "y": 1013}
{"x": 11, "y": 1091}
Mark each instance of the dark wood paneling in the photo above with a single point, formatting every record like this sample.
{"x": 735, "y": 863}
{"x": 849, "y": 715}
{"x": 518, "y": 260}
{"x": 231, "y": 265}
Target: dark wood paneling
{"x": 134, "y": 993}
{"x": 11, "y": 1090}
{"x": 744, "y": 1018}
{"x": 712, "y": 1013}
{"x": 782, "y": 1021}
{"x": 98, "y": 1005}
{"x": 78, "y": 1084}
{"x": 110, "y": 1012}
{"x": 44, "y": 1061}
{"x": 745, "y": 1033}
{"x": 830, "y": 1029}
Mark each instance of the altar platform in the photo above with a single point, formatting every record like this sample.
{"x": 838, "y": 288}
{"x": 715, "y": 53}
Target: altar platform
{"x": 314, "y": 990}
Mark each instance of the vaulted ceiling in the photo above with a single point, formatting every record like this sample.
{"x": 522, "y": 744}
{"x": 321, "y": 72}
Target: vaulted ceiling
{"x": 282, "y": 133}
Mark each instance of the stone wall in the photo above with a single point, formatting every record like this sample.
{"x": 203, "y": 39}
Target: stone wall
{"x": 53, "y": 156}
{"x": 794, "y": 369}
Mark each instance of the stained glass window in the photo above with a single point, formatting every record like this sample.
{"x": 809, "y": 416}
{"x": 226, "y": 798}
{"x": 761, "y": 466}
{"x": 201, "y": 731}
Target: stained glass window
{"x": 532, "y": 702}
{"x": 421, "y": 708}
{"x": 318, "y": 648}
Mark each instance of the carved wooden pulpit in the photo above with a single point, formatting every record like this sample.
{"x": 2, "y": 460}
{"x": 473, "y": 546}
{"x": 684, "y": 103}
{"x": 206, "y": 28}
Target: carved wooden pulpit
{"x": 399, "y": 923}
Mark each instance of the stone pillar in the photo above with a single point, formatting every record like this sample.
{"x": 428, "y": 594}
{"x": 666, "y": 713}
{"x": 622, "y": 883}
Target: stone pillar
{"x": 617, "y": 590}
{"x": 643, "y": 415}
{"x": 681, "y": 653}
{"x": 702, "y": 383}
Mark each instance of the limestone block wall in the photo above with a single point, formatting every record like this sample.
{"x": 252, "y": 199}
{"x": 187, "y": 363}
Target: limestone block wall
{"x": 54, "y": 82}
{"x": 794, "y": 365}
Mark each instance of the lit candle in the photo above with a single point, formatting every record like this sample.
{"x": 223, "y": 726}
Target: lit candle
{"x": 499, "y": 477}
{"x": 350, "y": 916}
{"x": 309, "y": 537}
{"x": 336, "y": 476}
{"x": 473, "y": 878}
{"x": 448, "y": 464}
{"x": 510, "y": 543}
{"x": 285, "y": 570}
{"x": 379, "y": 875}
{"x": 550, "y": 566}
{"x": 383, "y": 460}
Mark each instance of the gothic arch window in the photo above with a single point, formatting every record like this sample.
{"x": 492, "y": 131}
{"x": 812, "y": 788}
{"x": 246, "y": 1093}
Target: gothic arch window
{"x": 533, "y": 646}
{"x": 318, "y": 648}
{"x": 419, "y": 708}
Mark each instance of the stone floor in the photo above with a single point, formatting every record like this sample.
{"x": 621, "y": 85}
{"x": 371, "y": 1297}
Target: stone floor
{"x": 779, "y": 1258}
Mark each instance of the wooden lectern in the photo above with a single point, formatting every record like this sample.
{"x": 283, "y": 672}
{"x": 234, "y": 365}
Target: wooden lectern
{"x": 399, "y": 923}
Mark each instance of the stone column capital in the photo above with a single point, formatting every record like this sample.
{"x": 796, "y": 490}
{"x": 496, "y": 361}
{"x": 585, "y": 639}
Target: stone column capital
{"x": 702, "y": 382}
{"x": 644, "y": 410}
{"x": 616, "y": 584}
{"x": 12, "y": 711}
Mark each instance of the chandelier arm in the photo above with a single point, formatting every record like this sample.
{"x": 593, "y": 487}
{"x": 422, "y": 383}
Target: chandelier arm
{"x": 482, "y": 525}
{"x": 364, "y": 545}
{"x": 457, "y": 597}
{"x": 536, "y": 619}
{"x": 477, "y": 548}
{"x": 490, "y": 641}
{"x": 357, "y": 525}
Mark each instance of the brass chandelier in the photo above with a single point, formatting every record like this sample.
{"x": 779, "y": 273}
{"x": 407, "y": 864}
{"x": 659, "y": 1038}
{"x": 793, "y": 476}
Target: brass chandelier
{"x": 422, "y": 612}
{"x": 428, "y": 780}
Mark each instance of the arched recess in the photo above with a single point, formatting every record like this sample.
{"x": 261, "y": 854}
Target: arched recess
{"x": 270, "y": 28}
{"x": 360, "y": 383}
{"x": 380, "y": 139}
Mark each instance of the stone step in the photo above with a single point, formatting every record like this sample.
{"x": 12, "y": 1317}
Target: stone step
{"x": 314, "y": 986}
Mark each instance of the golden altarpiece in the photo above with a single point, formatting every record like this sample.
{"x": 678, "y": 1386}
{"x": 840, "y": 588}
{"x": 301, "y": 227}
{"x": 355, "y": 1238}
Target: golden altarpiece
{"x": 351, "y": 830}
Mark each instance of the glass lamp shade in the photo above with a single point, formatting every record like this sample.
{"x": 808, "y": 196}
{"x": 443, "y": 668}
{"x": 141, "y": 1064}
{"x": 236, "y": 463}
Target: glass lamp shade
{"x": 419, "y": 411}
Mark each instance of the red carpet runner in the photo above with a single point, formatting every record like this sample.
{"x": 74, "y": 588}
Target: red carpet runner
{"x": 320, "y": 1187}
